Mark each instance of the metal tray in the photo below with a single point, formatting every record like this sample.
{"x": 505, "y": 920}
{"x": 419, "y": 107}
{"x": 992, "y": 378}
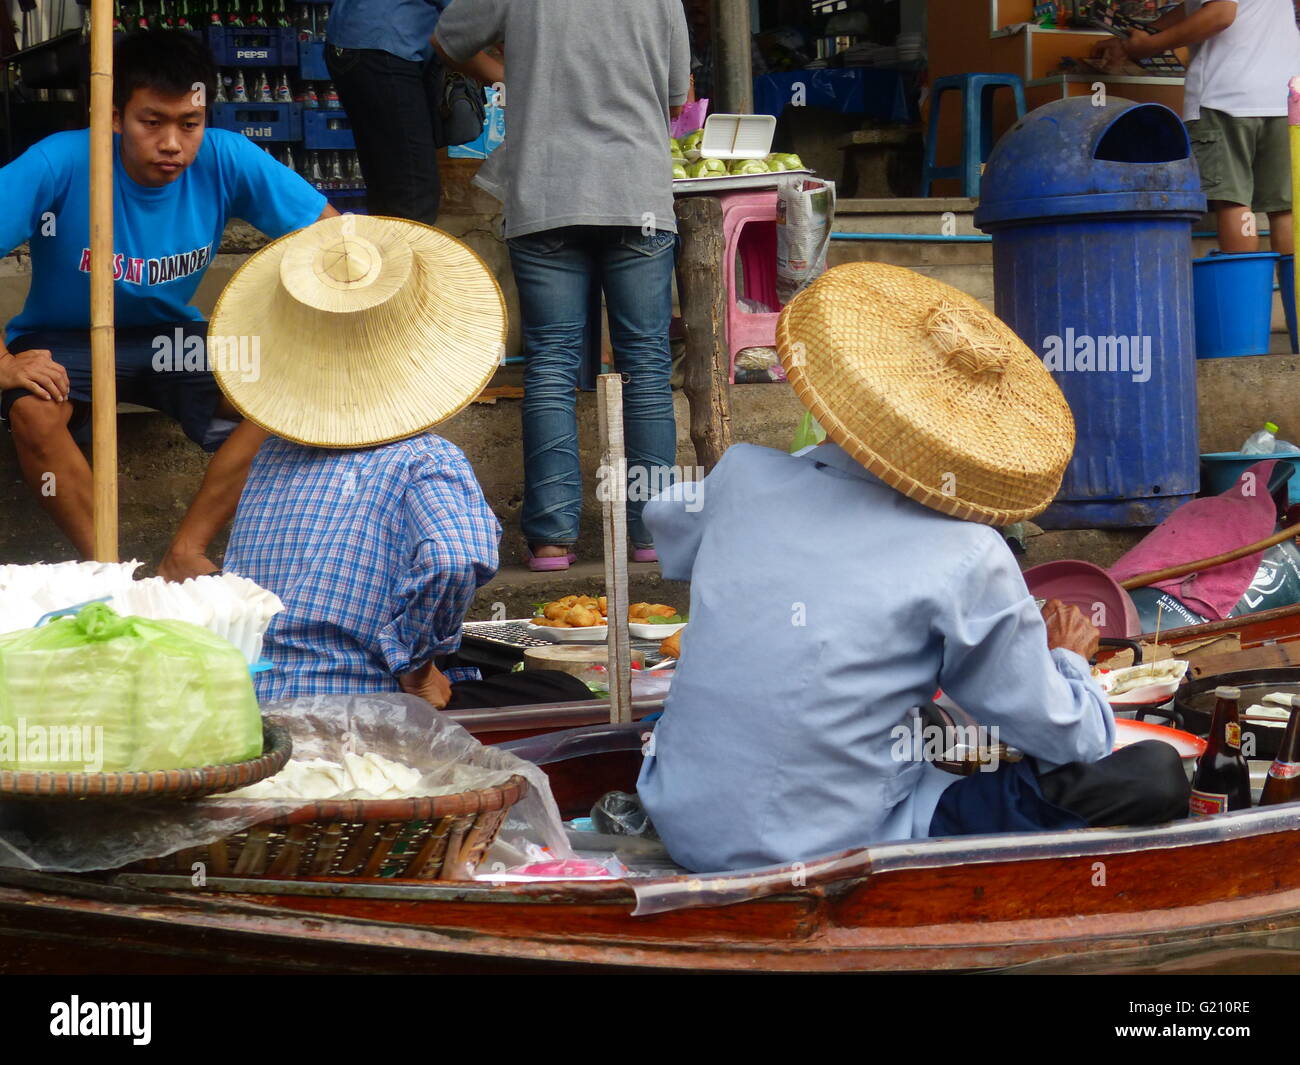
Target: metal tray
{"x": 734, "y": 182}
{"x": 1195, "y": 701}
{"x": 521, "y": 634}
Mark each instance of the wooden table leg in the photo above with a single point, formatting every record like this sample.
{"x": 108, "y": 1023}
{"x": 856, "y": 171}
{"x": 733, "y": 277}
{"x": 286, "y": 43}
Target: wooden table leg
{"x": 703, "y": 295}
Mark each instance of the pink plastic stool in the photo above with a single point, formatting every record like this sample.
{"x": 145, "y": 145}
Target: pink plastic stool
{"x": 749, "y": 231}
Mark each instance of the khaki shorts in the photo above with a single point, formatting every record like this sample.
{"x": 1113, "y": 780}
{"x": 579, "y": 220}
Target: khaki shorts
{"x": 1243, "y": 160}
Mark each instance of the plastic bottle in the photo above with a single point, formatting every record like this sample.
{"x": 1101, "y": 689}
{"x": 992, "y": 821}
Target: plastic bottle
{"x": 1261, "y": 442}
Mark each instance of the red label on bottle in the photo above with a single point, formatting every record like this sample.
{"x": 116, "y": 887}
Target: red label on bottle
{"x": 1232, "y": 734}
{"x": 1284, "y": 770}
{"x": 1204, "y": 803}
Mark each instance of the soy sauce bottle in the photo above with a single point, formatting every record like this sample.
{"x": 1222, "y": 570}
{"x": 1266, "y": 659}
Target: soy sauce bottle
{"x": 1222, "y": 780}
{"x": 1283, "y": 783}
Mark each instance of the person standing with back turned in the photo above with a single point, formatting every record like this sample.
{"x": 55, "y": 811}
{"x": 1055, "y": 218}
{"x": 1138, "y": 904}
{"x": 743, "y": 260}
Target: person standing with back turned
{"x": 1234, "y": 104}
{"x": 387, "y": 77}
{"x": 588, "y": 194}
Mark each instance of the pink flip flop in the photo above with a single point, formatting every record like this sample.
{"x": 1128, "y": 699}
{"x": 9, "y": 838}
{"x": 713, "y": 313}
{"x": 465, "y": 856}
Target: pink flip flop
{"x": 548, "y": 565}
{"x": 644, "y": 554}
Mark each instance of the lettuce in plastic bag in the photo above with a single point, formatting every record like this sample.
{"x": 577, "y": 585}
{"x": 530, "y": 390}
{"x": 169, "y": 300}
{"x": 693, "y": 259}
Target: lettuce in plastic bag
{"x": 102, "y": 692}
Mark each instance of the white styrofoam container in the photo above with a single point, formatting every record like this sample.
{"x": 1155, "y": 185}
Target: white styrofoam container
{"x": 736, "y": 137}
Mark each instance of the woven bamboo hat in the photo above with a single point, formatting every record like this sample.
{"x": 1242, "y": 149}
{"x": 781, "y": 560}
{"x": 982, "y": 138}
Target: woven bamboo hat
{"x": 929, "y": 391}
{"x": 366, "y": 330}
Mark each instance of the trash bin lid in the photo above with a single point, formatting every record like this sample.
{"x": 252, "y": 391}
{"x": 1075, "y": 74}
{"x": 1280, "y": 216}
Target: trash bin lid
{"x": 1078, "y": 157}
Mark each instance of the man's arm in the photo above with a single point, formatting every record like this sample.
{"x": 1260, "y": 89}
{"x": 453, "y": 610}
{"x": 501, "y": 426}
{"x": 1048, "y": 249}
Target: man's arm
{"x": 481, "y": 67}
{"x": 214, "y": 506}
{"x": 999, "y": 667}
{"x": 455, "y": 537}
{"x": 1211, "y": 19}
{"x": 328, "y": 212}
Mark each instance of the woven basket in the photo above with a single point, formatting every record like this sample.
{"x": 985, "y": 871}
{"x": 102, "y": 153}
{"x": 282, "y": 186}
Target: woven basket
{"x": 156, "y": 784}
{"x": 442, "y": 838}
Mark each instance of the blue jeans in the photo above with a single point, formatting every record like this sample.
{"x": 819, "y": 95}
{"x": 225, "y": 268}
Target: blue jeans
{"x": 554, "y": 271}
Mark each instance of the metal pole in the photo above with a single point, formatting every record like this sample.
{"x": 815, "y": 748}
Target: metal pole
{"x": 103, "y": 377}
{"x": 733, "y": 69}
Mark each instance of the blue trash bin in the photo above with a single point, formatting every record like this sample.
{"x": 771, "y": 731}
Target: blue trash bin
{"x": 1091, "y": 210}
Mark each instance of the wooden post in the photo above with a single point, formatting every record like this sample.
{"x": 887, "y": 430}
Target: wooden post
{"x": 704, "y": 308}
{"x": 613, "y": 468}
{"x": 103, "y": 376}
{"x": 733, "y": 68}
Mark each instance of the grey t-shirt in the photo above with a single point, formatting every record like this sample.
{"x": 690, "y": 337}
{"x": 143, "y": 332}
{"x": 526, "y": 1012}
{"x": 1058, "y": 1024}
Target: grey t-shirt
{"x": 588, "y": 88}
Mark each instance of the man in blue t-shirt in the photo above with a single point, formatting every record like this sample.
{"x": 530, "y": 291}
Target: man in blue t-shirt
{"x": 175, "y": 185}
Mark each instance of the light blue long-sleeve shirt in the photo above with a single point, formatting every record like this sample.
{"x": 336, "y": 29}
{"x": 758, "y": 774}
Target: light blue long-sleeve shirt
{"x": 825, "y": 607}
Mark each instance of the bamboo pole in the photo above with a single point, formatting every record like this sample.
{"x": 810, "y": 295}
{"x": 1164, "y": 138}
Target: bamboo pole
{"x": 1293, "y": 117}
{"x": 1142, "y": 580}
{"x": 103, "y": 375}
{"x": 609, "y": 406}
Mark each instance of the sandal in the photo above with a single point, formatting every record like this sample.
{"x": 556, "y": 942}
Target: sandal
{"x": 549, "y": 564}
{"x": 644, "y": 554}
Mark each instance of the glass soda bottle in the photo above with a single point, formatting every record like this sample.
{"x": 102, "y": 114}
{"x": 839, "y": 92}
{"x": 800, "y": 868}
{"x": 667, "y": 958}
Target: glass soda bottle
{"x": 1222, "y": 780}
{"x": 1283, "y": 781}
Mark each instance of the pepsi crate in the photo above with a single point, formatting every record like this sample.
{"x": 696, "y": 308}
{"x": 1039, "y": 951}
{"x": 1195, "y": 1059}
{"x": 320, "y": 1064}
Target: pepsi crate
{"x": 311, "y": 61}
{"x": 317, "y": 135}
{"x": 347, "y": 201}
{"x": 260, "y": 122}
{"x": 253, "y": 46}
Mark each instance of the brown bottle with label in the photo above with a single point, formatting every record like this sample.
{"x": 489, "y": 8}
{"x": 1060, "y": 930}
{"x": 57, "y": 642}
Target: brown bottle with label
{"x": 1222, "y": 780}
{"x": 1283, "y": 783}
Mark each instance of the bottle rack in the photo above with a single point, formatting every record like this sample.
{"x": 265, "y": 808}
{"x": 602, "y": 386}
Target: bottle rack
{"x": 291, "y": 108}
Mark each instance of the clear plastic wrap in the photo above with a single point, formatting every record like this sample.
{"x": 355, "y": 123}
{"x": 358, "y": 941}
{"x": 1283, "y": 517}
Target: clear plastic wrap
{"x": 82, "y": 836}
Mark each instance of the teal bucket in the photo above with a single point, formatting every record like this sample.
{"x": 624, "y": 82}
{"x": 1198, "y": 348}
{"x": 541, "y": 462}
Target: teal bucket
{"x": 1233, "y": 299}
{"x": 1220, "y": 470}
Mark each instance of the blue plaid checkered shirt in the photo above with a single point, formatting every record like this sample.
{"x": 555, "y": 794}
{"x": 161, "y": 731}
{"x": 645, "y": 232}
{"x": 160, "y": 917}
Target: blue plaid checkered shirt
{"x": 376, "y": 554}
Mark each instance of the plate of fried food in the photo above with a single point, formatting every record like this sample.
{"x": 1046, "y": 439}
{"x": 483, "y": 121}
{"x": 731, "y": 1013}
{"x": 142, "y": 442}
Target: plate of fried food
{"x": 584, "y": 619}
{"x": 654, "y": 621}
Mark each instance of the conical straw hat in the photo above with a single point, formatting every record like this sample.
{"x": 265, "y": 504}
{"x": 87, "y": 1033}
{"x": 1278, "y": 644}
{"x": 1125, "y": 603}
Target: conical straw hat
{"x": 367, "y": 330}
{"x": 929, "y": 391}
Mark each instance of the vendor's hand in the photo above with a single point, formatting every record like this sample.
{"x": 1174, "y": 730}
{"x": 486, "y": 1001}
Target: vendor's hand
{"x": 1109, "y": 53}
{"x": 429, "y": 684}
{"x": 180, "y": 565}
{"x": 1069, "y": 629}
{"x": 35, "y": 371}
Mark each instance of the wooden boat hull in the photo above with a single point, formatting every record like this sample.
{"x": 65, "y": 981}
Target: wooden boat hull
{"x": 915, "y": 908}
{"x": 1089, "y": 900}
{"x": 966, "y": 904}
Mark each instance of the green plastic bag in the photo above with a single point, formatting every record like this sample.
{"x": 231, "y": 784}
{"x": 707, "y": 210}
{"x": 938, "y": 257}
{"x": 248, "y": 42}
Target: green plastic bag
{"x": 102, "y": 692}
{"x": 808, "y": 433}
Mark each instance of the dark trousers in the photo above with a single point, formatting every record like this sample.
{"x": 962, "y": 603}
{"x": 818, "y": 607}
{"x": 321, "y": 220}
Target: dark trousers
{"x": 1143, "y": 784}
{"x": 529, "y": 687}
{"x": 393, "y": 108}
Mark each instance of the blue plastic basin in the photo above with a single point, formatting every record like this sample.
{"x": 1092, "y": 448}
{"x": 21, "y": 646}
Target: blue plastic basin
{"x": 1233, "y": 302}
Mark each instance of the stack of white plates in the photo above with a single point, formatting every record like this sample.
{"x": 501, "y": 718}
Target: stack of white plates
{"x": 911, "y": 47}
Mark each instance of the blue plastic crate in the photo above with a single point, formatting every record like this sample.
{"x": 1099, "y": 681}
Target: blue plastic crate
{"x": 253, "y": 46}
{"x": 311, "y": 61}
{"x": 316, "y": 134}
{"x": 260, "y": 122}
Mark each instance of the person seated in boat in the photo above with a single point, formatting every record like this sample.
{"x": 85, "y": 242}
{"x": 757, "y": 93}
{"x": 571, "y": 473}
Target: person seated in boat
{"x": 175, "y": 185}
{"x": 371, "y": 529}
{"x": 833, "y": 591}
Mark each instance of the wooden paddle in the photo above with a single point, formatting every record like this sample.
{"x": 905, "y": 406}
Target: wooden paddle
{"x": 103, "y": 375}
{"x": 609, "y": 406}
{"x": 1144, "y": 579}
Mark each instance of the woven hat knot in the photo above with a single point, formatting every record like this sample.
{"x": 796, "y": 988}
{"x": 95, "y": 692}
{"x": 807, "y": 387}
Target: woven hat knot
{"x": 348, "y": 261}
{"x": 967, "y": 341}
